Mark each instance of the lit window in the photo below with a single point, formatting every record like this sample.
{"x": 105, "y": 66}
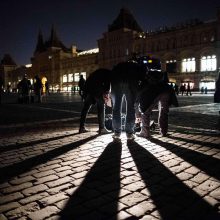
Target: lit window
{"x": 76, "y": 77}
{"x": 64, "y": 78}
{"x": 189, "y": 65}
{"x": 84, "y": 74}
{"x": 70, "y": 77}
{"x": 208, "y": 63}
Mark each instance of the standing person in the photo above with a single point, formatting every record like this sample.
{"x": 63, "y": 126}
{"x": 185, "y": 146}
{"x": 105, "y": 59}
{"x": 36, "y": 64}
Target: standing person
{"x": 81, "y": 85}
{"x": 124, "y": 85}
{"x": 188, "y": 90}
{"x": 155, "y": 92}
{"x": 38, "y": 88}
{"x": 217, "y": 90}
{"x": 96, "y": 90}
{"x": 183, "y": 89}
{"x": 176, "y": 88}
{"x": 47, "y": 88}
{"x": 24, "y": 87}
{"x": 1, "y": 89}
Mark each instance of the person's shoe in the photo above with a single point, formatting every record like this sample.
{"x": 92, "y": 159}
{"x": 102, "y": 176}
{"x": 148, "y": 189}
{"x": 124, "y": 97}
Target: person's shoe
{"x": 83, "y": 130}
{"x": 143, "y": 135}
{"x": 163, "y": 134}
{"x": 130, "y": 137}
{"x": 104, "y": 131}
{"x": 116, "y": 137}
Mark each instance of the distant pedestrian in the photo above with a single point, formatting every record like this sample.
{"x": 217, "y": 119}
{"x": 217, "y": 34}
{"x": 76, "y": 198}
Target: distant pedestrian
{"x": 47, "y": 88}
{"x": 176, "y": 89}
{"x": 1, "y": 89}
{"x": 38, "y": 88}
{"x": 182, "y": 89}
{"x": 188, "y": 90}
{"x": 24, "y": 87}
{"x": 206, "y": 90}
{"x": 202, "y": 89}
{"x": 81, "y": 85}
{"x": 217, "y": 90}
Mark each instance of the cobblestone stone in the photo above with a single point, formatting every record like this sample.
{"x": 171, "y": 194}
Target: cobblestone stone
{"x": 84, "y": 176}
{"x": 44, "y": 213}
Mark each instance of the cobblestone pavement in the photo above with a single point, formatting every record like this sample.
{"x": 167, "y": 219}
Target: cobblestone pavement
{"x": 65, "y": 175}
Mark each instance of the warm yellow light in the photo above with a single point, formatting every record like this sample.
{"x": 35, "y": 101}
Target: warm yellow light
{"x": 150, "y": 61}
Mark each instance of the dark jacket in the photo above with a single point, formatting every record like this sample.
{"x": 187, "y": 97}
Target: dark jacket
{"x": 152, "y": 87}
{"x": 98, "y": 83}
{"x": 129, "y": 72}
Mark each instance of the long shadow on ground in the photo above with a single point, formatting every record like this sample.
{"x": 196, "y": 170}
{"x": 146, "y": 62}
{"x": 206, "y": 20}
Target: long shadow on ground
{"x": 173, "y": 199}
{"x": 97, "y": 196}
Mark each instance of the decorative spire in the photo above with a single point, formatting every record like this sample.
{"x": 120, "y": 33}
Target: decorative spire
{"x": 40, "y": 43}
{"x": 125, "y": 20}
{"x": 54, "y": 41}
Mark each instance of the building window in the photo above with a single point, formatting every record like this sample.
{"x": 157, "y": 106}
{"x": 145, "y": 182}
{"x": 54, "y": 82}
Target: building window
{"x": 64, "y": 78}
{"x": 70, "y": 77}
{"x": 189, "y": 65}
{"x": 76, "y": 77}
{"x": 171, "y": 66}
{"x": 208, "y": 63}
{"x": 84, "y": 74}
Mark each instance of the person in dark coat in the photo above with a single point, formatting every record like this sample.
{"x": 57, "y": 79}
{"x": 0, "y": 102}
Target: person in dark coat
{"x": 38, "y": 88}
{"x": 24, "y": 87}
{"x": 217, "y": 90}
{"x": 1, "y": 88}
{"x": 81, "y": 85}
{"x": 125, "y": 81}
{"x": 155, "y": 91}
{"x": 96, "y": 91}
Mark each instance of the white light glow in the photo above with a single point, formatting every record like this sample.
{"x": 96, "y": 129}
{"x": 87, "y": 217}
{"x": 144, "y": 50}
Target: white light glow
{"x": 91, "y": 51}
{"x": 189, "y": 65}
{"x": 208, "y": 63}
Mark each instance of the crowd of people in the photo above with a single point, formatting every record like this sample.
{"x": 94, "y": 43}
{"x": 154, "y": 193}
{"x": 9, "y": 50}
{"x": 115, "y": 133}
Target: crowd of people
{"x": 139, "y": 83}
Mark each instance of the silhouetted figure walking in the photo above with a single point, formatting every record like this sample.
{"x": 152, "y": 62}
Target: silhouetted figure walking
{"x": 188, "y": 90}
{"x": 81, "y": 85}
{"x": 182, "y": 89}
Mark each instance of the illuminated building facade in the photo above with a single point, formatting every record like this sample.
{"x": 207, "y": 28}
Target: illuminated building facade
{"x": 189, "y": 52}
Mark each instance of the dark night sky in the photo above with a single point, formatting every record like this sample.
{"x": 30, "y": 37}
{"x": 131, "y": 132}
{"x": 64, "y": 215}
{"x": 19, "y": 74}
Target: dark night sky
{"x": 82, "y": 22}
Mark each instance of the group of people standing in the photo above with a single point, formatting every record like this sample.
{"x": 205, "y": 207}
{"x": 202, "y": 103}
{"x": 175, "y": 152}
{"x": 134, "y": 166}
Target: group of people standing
{"x": 142, "y": 84}
{"x": 25, "y": 88}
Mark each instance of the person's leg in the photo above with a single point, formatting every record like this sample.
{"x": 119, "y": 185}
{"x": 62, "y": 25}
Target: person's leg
{"x": 130, "y": 110}
{"x": 87, "y": 105}
{"x": 101, "y": 115}
{"x": 145, "y": 119}
{"x": 117, "y": 95}
{"x": 163, "y": 113}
